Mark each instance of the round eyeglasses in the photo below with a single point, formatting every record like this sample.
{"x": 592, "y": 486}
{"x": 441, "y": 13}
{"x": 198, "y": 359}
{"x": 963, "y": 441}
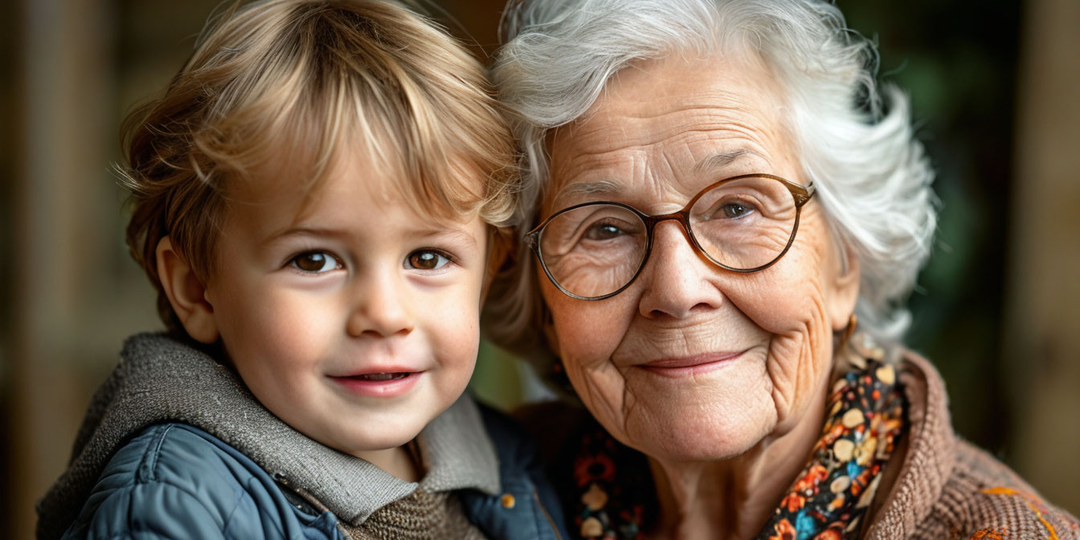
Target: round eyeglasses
{"x": 744, "y": 224}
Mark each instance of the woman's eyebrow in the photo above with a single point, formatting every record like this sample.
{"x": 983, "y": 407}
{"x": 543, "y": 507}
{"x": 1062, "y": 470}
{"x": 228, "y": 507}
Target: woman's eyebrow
{"x": 723, "y": 159}
{"x": 584, "y": 188}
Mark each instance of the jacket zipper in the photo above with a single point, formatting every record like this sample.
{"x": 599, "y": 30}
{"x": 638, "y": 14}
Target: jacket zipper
{"x": 543, "y": 510}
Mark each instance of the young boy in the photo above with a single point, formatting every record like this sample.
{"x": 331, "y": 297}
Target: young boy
{"x": 315, "y": 197}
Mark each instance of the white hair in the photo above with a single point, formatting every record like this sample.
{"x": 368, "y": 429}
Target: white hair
{"x": 871, "y": 175}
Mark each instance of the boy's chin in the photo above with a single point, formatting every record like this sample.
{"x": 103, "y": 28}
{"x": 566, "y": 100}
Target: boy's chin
{"x": 373, "y": 443}
{"x": 393, "y": 457}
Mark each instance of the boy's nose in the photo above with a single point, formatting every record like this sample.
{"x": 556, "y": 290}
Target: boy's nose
{"x": 379, "y": 309}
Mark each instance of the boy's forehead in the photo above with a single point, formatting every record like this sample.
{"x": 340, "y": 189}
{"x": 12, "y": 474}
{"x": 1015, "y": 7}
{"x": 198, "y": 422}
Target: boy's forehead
{"x": 286, "y": 193}
{"x": 301, "y": 171}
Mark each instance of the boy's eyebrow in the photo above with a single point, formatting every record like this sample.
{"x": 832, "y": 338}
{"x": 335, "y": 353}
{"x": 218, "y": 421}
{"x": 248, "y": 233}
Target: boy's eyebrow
{"x": 307, "y": 231}
{"x": 445, "y": 231}
{"x": 448, "y": 231}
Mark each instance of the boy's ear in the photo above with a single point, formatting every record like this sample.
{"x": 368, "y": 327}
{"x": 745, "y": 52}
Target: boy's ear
{"x": 186, "y": 294}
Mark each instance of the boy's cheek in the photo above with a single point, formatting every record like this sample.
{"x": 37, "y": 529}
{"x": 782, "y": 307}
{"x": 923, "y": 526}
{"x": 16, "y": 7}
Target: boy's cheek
{"x": 268, "y": 324}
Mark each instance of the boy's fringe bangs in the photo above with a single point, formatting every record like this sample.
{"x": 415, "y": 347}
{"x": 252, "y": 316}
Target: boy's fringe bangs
{"x": 406, "y": 104}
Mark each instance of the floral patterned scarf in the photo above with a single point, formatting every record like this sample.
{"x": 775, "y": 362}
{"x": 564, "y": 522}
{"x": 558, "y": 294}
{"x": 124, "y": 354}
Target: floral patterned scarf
{"x": 864, "y": 421}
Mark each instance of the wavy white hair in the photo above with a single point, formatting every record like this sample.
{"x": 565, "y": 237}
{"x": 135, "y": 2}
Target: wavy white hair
{"x": 872, "y": 176}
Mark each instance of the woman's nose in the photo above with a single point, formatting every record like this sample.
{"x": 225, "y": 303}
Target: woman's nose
{"x": 380, "y": 307}
{"x": 676, "y": 276}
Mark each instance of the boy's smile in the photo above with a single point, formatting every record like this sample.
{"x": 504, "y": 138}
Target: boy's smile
{"x": 353, "y": 316}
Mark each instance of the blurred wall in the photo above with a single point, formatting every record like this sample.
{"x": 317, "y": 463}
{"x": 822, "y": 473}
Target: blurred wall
{"x": 994, "y": 94}
{"x": 1042, "y": 308}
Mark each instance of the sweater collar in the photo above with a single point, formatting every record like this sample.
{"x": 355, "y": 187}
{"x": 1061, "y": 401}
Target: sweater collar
{"x": 456, "y": 453}
{"x": 928, "y": 459}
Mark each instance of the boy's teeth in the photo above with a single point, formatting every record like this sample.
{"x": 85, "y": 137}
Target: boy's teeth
{"x": 381, "y": 376}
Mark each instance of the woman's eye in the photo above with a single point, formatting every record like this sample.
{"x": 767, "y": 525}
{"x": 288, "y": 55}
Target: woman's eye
{"x": 735, "y": 210}
{"x": 603, "y": 231}
{"x": 426, "y": 259}
{"x": 315, "y": 262}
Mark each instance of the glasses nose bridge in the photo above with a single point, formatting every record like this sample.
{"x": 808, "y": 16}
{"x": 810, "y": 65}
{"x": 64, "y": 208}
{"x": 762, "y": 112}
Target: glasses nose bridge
{"x": 682, "y": 216}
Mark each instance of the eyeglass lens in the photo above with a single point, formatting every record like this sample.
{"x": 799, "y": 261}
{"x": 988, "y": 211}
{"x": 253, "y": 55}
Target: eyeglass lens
{"x": 595, "y": 250}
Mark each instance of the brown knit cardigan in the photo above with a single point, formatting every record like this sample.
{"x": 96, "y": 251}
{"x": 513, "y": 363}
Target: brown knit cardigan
{"x": 943, "y": 488}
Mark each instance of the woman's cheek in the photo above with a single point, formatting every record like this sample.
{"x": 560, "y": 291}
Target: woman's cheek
{"x": 788, "y": 301}
{"x": 584, "y": 332}
{"x": 799, "y": 364}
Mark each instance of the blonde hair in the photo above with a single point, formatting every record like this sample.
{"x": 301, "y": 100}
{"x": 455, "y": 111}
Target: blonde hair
{"x": 290, "y": 83}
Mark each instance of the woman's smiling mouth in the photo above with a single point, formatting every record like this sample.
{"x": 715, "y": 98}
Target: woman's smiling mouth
{"x": 690, "y": 365}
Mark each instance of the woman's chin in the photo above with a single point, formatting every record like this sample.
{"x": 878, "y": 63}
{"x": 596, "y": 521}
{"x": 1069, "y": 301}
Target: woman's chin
{"x": 712, "y": 416}
{"x": 708, "y": 432}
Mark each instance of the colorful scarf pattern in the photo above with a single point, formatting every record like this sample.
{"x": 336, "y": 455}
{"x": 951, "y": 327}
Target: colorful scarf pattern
{"x": 864, "y": 421}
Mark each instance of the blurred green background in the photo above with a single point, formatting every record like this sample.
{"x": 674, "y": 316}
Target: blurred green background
{"x": 959, "y": 66}
{"x": 994, "y": 90}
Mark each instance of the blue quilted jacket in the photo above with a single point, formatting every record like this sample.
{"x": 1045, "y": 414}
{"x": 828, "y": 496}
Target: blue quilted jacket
{"x": 177, "y": 481}
{"x": 174, "y": 446}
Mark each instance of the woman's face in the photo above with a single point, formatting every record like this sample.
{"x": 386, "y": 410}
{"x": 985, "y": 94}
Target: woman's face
{"x": 692, "y": 362}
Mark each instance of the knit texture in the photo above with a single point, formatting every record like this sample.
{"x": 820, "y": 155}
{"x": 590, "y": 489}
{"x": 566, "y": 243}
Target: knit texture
{"x": 160, "y": 379}
{"x": 420, "y": 516}
{"x": 948, "y": 489}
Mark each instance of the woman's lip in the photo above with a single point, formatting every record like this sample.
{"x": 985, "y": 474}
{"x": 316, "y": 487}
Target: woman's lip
{"x": 376, "y": 388}
{"x": 690, "y": 365}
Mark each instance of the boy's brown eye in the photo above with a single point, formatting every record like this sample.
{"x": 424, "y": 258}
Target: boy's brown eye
{"x": 315, "y": 262}
{"x": 427, "y": 260}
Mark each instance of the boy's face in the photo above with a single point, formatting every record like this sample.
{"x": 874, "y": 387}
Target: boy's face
{"x": 355, "y": 317}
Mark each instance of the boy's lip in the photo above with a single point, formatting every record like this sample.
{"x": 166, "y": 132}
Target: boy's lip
{"x": 401, "y": 382}
{"x": 376, "y": 369}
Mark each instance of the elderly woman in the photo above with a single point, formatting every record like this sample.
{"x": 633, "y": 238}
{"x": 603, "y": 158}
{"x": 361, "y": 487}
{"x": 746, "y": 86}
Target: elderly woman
{"x": 725, "y": 219}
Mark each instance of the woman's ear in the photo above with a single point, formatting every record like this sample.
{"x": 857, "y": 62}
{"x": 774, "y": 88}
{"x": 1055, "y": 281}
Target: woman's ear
{"x": 549, "y": 331}
{"x": 498, "y": 251}
{"x": 845, "y": 288}
{"x": 186, "y": 293}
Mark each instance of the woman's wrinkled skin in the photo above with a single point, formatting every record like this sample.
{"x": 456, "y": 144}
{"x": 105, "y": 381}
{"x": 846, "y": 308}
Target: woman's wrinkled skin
{"x": 723, "y": 442}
